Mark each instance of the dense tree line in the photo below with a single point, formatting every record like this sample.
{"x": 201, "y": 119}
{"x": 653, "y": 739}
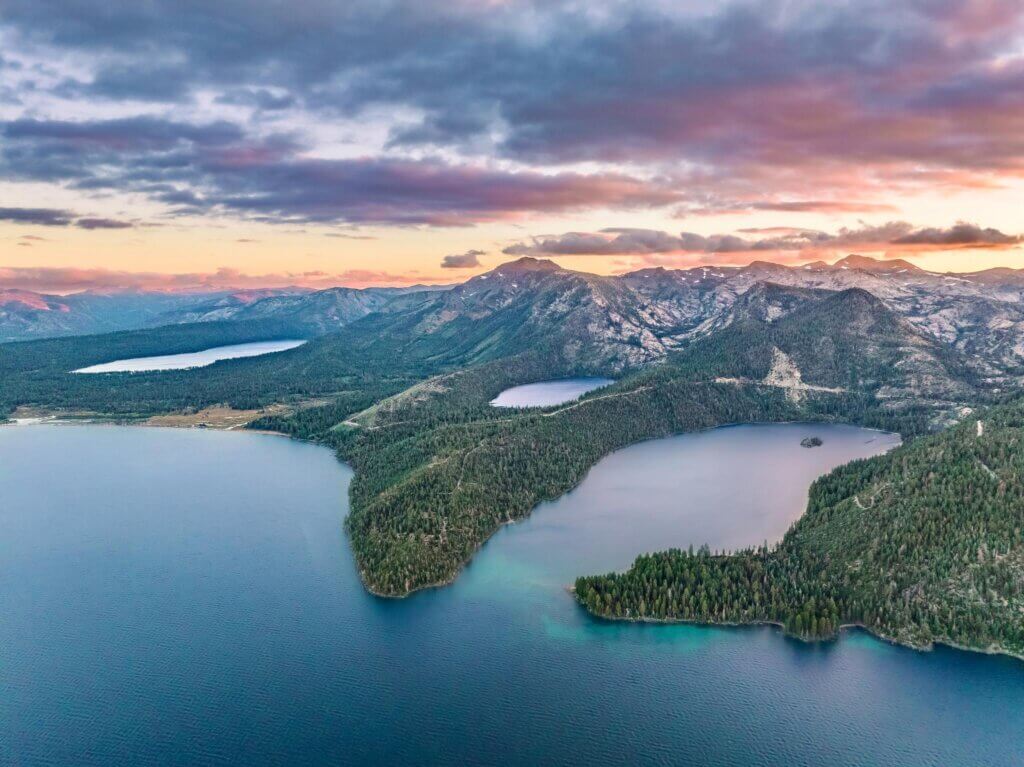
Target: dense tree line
{"x": 38, "y": 373}
{"x": 434, "y": 480}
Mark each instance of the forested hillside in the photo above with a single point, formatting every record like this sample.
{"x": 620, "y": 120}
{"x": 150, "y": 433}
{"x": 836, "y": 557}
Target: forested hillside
{"x": 924, "y": 544}
{"x": 38, "y": 373}
{"x": 438, "y": 471}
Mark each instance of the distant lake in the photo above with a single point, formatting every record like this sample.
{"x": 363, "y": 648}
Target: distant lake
{"x": 548, "y": 393}
{"x": 191, "y": 359}
{"x": 186, "y": 597}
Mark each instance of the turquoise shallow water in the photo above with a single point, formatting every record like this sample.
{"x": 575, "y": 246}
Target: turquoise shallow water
{"x": 188, "y": 597}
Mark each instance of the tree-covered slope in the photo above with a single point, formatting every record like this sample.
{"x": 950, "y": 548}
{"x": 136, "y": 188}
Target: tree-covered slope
{"x": 847, "y": 341}
{"x": 924, "y": 544}
{"x": 438, "y": 471}
{"x": 38, "y": 373}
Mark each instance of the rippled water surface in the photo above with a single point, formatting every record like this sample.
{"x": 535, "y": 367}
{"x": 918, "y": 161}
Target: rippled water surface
{"x": 548, "y": 393}
{"x": 188, "y": 597}
{"x": 191, "y": 359}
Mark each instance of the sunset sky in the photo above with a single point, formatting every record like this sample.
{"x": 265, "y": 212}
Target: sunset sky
{"x": 190, "y": 143}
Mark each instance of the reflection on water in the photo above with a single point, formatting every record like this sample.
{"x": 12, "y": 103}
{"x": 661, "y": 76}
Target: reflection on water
{"x": 191, "y": 359}
{"x": 548, "y": 393}
{"x": 188, "y": 597}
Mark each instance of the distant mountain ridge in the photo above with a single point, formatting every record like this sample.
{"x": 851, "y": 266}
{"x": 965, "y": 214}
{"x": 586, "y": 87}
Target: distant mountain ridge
{"x": 615, "y": 322}
{"x": 27, "y": 315}
{"x": 638, "y": 318}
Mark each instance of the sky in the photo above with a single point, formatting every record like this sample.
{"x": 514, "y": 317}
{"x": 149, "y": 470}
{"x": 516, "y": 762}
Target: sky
{"x": 174, "y": 144}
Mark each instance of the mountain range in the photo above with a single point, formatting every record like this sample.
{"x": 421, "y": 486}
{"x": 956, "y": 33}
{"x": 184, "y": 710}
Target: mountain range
{"x": 27, "y": 315}
{"x": 621, "y": 321}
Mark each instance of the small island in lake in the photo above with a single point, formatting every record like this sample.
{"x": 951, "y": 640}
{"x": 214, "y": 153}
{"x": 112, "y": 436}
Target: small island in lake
{"x": 811, "y": 442}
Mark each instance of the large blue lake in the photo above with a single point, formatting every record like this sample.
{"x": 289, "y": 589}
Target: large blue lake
{"x": 188, "y": 597}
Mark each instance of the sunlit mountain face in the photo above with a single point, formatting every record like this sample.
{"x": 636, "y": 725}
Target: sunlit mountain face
{"x": 208, "y": 147}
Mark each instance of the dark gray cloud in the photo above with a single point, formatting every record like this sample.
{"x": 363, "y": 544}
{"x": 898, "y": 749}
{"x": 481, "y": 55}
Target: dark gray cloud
{"x": 617, "y": 242}
{"x": 38, "y": 216}
{"x": 139, "y": 80}
{"x": 102, "y": 223}
{"x": 259, "y": 98}
{"x": 465, "y": 260}
{"x": 961, "y": 233}
{"x": 216, "y": 167}
{"x": 57, "y": 217}
{"x": 900, "y": 82}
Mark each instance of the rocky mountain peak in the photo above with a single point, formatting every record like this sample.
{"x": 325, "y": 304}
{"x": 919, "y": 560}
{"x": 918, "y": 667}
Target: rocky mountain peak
{"x": 767, "y": 301}
{"x": 527, "y": 264}
{"x": 868, "y": 264}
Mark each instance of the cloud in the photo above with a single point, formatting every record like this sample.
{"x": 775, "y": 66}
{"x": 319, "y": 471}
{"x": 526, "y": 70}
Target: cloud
{"x": 835, "y": 207}
{"x": 71, "y": 279}
{"x": 259, "y": 98}
{"x": 37, "y": 216}
{"x": 623, "y": 242}
{"x": 796, "y": 99}
{"x": 619, "y": 242}
{"x": 342, "y": 236}
{"x": 822, "y": 206}
{"x": 607, "y": 242}
{"x": 217, "y": 168}
{"x": 57, "y": 217}
{"x": 467, "y": 260}
{"x": 960, "y": 234}
{"x": 102, "y": 223}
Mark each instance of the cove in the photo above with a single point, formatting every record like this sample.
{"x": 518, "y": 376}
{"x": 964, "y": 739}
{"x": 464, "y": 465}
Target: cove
{"x": 191, "y": 359}
{"x": 188, "y": 597}
{"x": 548, "y": 393}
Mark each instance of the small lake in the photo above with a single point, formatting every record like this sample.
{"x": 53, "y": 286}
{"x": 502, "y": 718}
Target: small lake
{"x": 186, "y": 597}
{"x": 548, "y": 393}
{"x": 192, "y": 359}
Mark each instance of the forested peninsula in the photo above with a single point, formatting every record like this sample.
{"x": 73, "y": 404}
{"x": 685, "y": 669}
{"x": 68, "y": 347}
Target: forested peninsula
{"x": 919, "y": 546}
